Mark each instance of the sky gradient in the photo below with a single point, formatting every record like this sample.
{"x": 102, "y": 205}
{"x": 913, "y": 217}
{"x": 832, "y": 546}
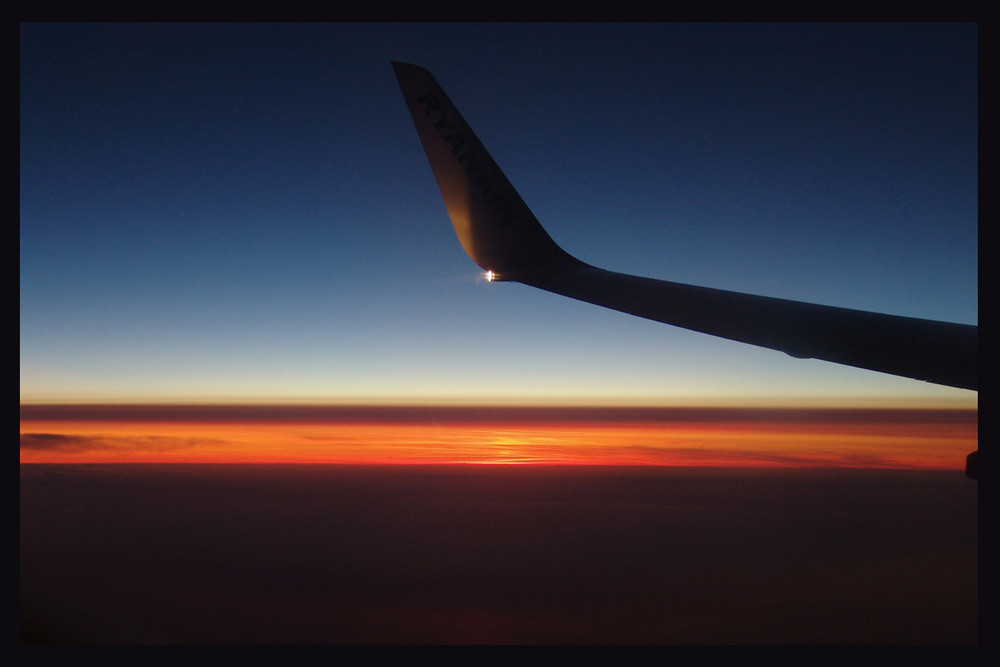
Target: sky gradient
{"x": 243, "y": 213}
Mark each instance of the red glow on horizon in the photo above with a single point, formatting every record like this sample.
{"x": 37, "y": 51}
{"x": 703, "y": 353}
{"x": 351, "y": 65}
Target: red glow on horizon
{"x": 933, "y": 442}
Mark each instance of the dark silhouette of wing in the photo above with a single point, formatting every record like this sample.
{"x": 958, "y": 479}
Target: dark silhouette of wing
{"x": 502, "y": 236}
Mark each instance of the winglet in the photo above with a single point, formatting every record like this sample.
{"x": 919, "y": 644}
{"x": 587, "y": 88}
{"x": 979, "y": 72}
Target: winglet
{"x": 493, "y": 224}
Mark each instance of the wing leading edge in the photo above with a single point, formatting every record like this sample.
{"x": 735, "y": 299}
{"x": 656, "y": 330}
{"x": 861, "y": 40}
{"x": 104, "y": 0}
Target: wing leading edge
{"x": 500, "y": 234}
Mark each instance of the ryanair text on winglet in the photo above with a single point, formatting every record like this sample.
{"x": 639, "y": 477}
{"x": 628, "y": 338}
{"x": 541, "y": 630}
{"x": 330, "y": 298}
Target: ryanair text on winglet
{"x": 496, "y": 192}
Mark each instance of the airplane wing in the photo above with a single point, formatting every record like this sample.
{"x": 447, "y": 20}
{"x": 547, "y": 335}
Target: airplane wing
{"x": 502, "y": 236}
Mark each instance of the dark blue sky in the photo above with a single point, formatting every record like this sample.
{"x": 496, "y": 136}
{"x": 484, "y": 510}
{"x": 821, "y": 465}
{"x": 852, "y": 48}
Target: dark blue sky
{"x": 244, "y": 212}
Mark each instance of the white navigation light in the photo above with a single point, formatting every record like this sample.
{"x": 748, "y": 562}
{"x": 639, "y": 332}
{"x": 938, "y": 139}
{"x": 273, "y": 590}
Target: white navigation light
{"x": 490, "y": 276}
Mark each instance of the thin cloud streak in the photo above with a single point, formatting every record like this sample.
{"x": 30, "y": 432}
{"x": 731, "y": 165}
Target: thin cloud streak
{"x": 415, "y": 414}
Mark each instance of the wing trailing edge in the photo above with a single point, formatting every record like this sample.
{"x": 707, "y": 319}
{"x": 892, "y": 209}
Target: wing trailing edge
{"x": 500, "y": 234}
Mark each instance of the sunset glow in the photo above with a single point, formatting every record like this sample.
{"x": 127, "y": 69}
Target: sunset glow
{"x": 892, "y": 439}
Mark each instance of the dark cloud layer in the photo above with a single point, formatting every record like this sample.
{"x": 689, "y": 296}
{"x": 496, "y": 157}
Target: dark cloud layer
{"x": 402, "y": 414}
{"x": 348, "y": 554}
